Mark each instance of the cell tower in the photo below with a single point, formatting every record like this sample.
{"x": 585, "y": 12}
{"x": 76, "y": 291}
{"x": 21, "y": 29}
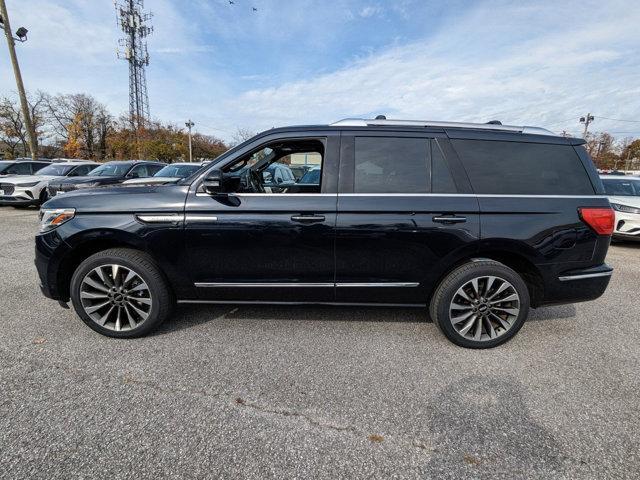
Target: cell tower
{"x": 133, "y": 48}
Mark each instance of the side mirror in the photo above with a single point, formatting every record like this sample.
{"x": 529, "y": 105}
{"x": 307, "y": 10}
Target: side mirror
{"x": 212, "y": 183}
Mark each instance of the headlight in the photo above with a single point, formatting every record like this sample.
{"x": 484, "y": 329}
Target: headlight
{"x": 87, "y": 185}
{"x": 51, "y": 218}
{"x": 625, "y": 208}
{"x": 24, "y": 185}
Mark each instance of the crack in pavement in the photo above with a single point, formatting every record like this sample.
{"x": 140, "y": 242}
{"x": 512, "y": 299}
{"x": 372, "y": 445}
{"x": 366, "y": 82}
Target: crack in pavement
{"x": 128, "y": 380}
{"x": 354, "y": 431}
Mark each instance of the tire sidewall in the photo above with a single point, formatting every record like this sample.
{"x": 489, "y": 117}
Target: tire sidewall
{"x": 102, "y": 259}
{"x": 442, "y": 309}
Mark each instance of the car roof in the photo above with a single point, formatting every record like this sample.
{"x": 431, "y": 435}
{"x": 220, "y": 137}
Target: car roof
{"x": 133, "y": 162}
{"x": 76, "y": 164}
{"x": 452, "y": 129}
{"x": 619, "y": 177}
{"x": 195, "y": 164}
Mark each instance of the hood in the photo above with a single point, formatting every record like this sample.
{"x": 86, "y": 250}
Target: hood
{"x": 17, "y": 179}
{"x": 151, "y": 180}
{"x": 123, "y": 199}
{"x": 87, "y": 179}
{"x": 626, "y": 200}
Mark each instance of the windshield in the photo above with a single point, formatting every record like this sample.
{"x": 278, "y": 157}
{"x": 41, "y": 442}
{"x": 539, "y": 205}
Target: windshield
{"x": 180, "y": 171}
{"x": 57, "y": 170}
{"x": 110, "y": 170}
{"x": 4, "y": 164}
{"x": 620, "y": 187}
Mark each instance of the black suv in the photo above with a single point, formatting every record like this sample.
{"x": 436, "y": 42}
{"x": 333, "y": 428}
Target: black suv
{"x": 106, "y": 174}
{"x": 476, "y": 222}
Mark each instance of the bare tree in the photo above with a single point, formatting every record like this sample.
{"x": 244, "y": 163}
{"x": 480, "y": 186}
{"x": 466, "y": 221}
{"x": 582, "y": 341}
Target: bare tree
{"x": 13, "y": 132}
{"x": 242, "y": 135}
{"x": 80, "y": 122}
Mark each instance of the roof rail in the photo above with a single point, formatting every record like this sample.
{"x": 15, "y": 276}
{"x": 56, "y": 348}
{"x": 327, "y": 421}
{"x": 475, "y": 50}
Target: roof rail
{"x": 361, "y": 122}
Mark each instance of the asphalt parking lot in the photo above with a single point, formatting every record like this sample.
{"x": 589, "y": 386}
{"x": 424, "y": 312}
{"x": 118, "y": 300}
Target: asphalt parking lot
{"x": 292, "y": 392}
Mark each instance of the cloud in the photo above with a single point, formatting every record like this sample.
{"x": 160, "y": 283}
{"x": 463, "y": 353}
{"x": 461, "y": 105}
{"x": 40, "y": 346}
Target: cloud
{"x": 370, "y": 11}
{"x": 543, "y": 70}
{"x": 544, "y": 63}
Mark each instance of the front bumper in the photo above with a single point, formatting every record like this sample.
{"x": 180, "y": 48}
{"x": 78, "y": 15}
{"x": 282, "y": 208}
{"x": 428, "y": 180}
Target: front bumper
{"x": 19, "y": 195}
{"x": 49, "y": 252}
{"x": 627, "y": 226}
{"x": 15, "y": 200}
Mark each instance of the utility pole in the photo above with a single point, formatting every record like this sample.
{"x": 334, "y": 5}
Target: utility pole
{"x": 133, "y": 22}
{"x": 586, "y": 120}
{"x": 22, "y": 37}
{"x": 190, "y": 124}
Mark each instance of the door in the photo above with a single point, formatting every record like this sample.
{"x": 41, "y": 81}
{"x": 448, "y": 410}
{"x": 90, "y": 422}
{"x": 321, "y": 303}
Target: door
{"x": 258, "y": 243}
{"x": 401, "y": 214}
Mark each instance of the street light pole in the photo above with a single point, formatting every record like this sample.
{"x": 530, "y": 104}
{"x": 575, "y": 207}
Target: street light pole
{"x": 22, "y": 33}
{"x": 190, "y": 124}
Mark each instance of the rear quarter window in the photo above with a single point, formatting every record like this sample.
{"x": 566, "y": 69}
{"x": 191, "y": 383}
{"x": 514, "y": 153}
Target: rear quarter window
{"x": 516, "y": 168}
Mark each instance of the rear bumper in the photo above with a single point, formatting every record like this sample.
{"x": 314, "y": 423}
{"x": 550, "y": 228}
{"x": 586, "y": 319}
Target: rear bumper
{"x": 578, "y": 285}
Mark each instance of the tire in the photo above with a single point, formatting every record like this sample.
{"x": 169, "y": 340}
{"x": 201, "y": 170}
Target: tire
{"x": 143, "y": 302}
{"x": 499, "y": 311}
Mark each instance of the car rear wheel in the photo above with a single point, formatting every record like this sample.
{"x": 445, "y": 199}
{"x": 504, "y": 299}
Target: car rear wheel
{"x": 121, "y": 293}
{"x": 480, "y": 304}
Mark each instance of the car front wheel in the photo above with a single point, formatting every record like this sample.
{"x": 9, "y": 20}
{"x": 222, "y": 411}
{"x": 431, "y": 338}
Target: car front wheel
{"x": 121, "y": 293}
{"x": 480, "y": 304}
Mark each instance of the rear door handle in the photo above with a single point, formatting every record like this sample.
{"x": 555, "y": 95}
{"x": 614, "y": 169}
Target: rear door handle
{"x": 450, "y": 219}
{"x": 307, "y": 218}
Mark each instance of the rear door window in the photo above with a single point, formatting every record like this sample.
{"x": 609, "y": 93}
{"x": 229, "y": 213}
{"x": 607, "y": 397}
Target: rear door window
{"x": 512, "y": 168}
{"x": 392, "y": 165}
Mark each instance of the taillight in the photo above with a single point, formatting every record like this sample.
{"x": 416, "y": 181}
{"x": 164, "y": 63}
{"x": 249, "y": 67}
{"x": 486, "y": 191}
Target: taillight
{"x": 601, "y": 220}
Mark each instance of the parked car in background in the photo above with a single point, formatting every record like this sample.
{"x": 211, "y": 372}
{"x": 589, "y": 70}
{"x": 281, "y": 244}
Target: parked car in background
{"x": 475, "y": 222}
{"x": 106, "y": 174}
{"x": 168, "y": 174}
{"x": 21, "y": 167}
{"x": 624, "y": 195}
{"x": 300, "y": 169}
{"x": 278, "y": 176}
{"x": 25, "y": 190}
{"x": 312, "y": 177}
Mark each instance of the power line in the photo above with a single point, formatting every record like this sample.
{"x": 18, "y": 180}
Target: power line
{"x": 619, "y": 119}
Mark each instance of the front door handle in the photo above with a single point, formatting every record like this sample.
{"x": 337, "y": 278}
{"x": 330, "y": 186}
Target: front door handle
{"x": 449, "y": 219}
{"x": 307, "y": 218}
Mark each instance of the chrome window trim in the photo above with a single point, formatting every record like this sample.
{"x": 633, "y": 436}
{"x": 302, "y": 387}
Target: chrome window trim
{"x": 568, "y": 278}
{"x": 467, "y": 195}
{"x": 249, "y": 194}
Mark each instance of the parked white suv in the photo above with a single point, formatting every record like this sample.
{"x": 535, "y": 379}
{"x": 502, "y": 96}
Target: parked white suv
{"x": 25, "y": 190}
{"x": 624, "y": 195}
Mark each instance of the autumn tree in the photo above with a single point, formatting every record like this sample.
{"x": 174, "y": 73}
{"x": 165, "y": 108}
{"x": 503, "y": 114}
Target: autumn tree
{"x": 80, "y": 123}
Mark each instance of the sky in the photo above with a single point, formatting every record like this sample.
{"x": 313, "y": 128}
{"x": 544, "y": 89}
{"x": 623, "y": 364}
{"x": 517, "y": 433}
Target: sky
{"x": 226, "y": 66}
